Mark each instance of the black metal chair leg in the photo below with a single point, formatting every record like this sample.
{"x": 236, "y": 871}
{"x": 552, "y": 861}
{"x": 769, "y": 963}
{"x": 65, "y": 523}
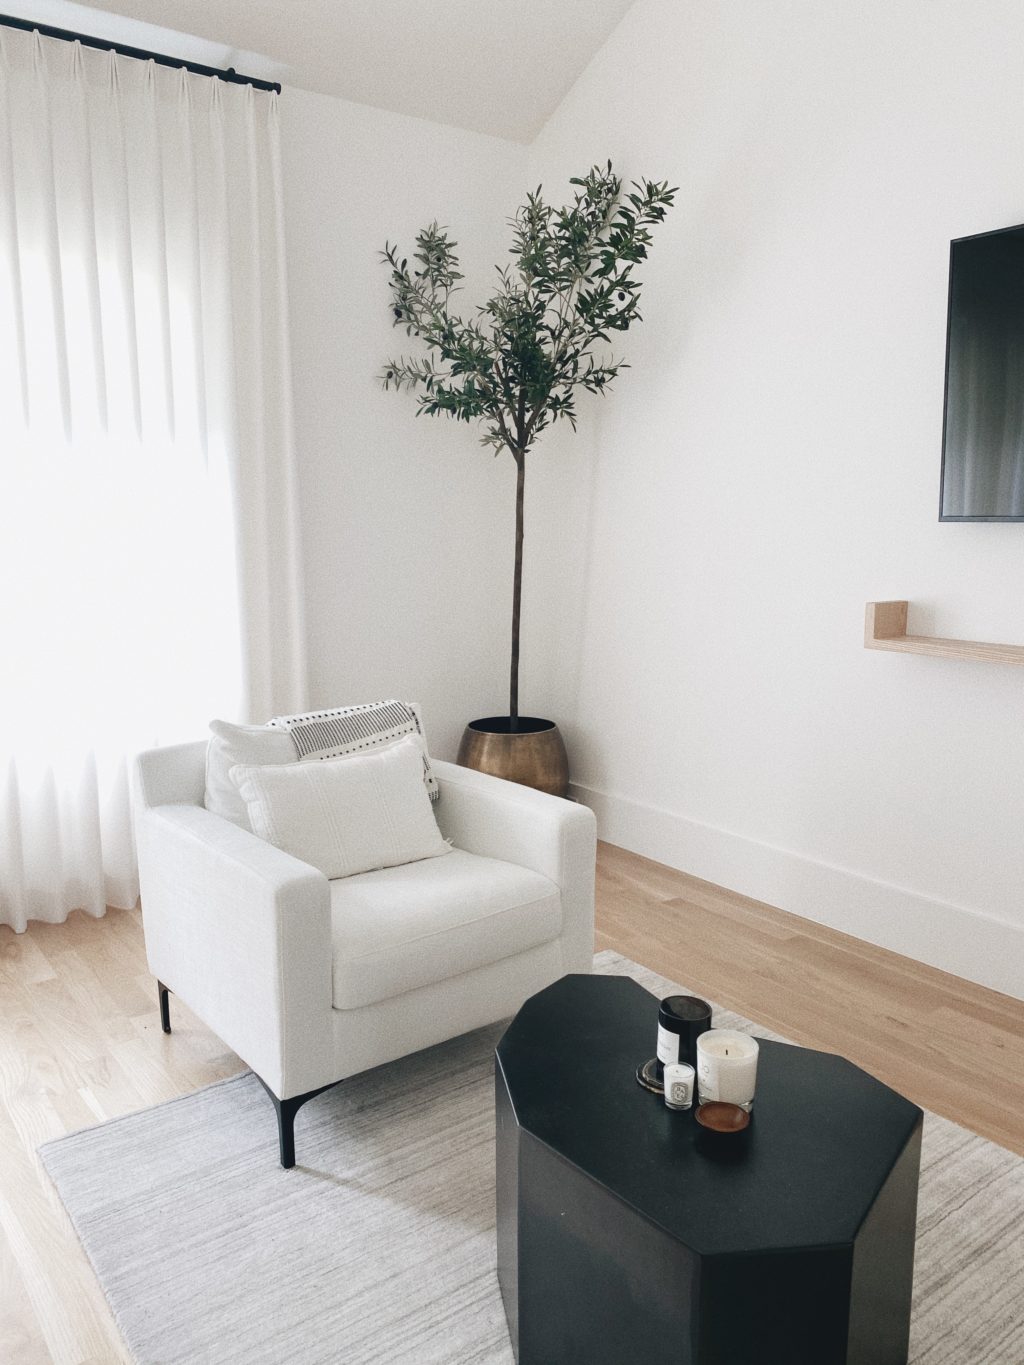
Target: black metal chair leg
{"x": 286, "y": 1111}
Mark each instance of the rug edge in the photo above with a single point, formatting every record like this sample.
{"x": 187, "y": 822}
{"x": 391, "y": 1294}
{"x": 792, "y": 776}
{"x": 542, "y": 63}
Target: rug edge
{"x": 43, "y": 1147}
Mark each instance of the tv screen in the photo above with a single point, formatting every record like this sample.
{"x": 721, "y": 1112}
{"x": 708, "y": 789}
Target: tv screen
{"x": 983, "y": 431}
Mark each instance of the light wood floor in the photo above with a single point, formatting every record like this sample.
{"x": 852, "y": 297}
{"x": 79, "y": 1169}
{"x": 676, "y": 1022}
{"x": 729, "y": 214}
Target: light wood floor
{"x": 948, "y": 1045}
{"x": 80, "y": 1041}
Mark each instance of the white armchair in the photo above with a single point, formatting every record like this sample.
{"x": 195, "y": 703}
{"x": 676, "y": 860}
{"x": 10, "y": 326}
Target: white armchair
{"x": 310, "y": 981}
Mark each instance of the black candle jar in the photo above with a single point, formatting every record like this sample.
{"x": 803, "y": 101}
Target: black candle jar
{"x": 681, "y": 1021}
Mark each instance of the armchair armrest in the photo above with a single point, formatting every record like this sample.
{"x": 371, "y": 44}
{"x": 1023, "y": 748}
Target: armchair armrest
{"x": 241, "y": 931}
{"x": 498, "y": 819}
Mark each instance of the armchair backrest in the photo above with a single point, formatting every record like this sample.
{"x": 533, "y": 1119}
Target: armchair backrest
{"x": 171, "y": 776}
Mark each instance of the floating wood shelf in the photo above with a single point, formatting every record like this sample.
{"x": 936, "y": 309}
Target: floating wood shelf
{"x": 885, "y": 627}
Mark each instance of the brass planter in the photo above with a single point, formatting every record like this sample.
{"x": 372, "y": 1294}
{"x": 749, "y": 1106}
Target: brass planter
{"x": 532, "y": 754}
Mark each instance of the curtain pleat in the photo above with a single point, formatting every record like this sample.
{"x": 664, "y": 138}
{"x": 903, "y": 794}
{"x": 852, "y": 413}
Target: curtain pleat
{"x": 149, "y": 573}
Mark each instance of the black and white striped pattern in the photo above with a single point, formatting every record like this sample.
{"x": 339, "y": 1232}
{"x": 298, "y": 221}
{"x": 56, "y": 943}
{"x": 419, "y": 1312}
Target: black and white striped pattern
{"x": 347, "y": 730}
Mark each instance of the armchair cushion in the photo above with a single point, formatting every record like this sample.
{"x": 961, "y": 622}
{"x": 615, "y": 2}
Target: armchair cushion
{"x": 347, "y": 815}
{"x": 404, "y": 927}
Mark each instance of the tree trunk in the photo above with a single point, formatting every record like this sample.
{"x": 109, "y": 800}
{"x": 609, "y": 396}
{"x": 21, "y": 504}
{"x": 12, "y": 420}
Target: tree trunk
{"x": 517, "y": 592}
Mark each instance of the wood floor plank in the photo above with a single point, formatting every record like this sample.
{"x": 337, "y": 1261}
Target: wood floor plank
{"x": 22, "y": 960}
{"x": 19, "y": 1340}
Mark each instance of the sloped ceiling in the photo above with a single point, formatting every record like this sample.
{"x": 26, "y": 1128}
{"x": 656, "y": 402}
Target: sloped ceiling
{"x": 493, "y": 66}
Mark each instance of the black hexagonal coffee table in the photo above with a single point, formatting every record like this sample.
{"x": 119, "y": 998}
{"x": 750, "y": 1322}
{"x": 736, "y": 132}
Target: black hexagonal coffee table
{"x": 626, "y": 1234}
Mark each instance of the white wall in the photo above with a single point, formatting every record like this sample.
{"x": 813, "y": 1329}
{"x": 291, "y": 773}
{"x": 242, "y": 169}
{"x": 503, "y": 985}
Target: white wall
{"x": 407, "y": 522}
{"x": 771, "y": 463}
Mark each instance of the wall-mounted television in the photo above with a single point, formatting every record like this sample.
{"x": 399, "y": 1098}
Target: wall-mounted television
{"x": 983, "y": 430}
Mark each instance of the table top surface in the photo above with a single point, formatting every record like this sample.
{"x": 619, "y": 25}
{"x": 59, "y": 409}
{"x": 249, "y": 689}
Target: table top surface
{"x": 823, "y": 1137}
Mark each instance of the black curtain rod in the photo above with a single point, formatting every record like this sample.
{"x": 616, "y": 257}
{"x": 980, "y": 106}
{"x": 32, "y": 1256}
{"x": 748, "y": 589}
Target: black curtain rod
{"x": 161, "y": 58}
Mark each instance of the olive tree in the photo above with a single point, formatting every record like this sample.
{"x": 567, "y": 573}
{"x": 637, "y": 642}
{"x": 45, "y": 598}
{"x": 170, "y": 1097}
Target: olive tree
{"x": 516, "y": 366}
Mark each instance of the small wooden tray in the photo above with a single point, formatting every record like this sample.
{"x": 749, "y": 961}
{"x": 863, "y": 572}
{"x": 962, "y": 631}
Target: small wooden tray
{"x": 719, "y": 1117}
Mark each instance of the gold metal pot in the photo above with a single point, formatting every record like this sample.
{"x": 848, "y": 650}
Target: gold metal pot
{"x": 532, "y": 754}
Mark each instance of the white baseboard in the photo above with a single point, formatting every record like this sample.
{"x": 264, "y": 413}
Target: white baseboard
{"x": 965, "y": 942}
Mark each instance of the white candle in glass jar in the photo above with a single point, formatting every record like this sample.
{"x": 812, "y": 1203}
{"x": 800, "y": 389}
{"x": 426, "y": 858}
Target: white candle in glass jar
{"x": 680, "y": 1080}
{"x": 727, "y": 1067}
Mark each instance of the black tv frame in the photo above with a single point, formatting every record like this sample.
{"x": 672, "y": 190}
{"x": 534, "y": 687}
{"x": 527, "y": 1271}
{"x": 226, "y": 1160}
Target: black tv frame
{"x": 997, "y": 232}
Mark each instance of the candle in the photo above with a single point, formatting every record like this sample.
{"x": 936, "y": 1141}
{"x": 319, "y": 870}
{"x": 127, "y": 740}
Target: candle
{"x": 679, "y": 1080}
{"x": 681, "y": 1019}
{"x": 727, "y": 1067}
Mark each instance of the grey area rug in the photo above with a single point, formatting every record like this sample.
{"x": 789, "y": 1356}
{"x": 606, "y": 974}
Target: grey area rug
{"x": 378, "y": 1248}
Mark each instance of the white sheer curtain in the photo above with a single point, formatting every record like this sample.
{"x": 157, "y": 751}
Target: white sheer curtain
{"x": 148, "y": 567}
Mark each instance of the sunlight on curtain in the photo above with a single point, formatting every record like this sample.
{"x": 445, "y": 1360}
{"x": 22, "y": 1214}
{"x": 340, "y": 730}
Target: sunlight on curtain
{"x": 148, "y": 575}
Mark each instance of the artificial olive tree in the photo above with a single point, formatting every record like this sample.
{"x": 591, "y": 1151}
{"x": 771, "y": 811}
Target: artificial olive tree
{"x": 517, "y": 365}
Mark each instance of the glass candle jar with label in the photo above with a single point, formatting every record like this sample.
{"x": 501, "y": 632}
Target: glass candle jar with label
{"x": 727, "y": 1067}
{"x": 681, "y": 1021}
{"x": 680, "y": 1079}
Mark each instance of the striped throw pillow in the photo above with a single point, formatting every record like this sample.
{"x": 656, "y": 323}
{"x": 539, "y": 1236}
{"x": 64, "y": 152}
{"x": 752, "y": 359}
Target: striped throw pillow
{"x": 345, "y": 730}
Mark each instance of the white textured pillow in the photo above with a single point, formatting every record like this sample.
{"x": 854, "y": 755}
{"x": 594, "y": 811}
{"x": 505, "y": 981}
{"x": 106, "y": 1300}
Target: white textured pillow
{"x": 233, "y": 744}
{"x": 345, "y": 815}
